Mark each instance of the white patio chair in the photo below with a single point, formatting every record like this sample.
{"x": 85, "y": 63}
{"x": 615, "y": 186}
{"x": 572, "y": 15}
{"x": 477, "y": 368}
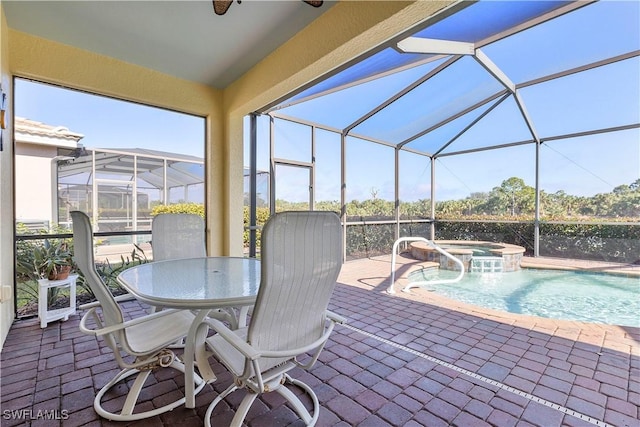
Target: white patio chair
{"x": 145, "y": 339}
{"x": 301, "y": 259}
{"x": 182, "y": 235}
{"x": 175, "y": 236}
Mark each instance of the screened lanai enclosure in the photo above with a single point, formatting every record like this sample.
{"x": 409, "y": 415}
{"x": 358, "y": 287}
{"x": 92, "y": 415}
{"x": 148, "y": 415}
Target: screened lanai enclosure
{"x": 503, "y": 121}
{"x": 119, "y": 188}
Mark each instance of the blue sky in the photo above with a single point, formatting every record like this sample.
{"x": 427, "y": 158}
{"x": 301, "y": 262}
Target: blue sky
{"x": 599, "y": 98}
{"x": 581, "y": 166}
{"x": 110, "y": 123}
{"x": 603, "y": 97}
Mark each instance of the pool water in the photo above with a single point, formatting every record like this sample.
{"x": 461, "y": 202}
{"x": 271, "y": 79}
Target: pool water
{"x": 570, "y": 295}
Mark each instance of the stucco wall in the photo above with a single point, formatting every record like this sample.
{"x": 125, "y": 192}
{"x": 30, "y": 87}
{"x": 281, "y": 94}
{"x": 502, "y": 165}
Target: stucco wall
{"x": 6, "y": 189}
{"x": 33, "y": 173}
{"x": 343, "y": 33}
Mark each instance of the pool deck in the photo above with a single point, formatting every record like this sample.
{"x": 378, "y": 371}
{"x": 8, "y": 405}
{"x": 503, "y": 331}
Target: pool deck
{"x": 408, "y": 359}
{"x": 572, "y": 264}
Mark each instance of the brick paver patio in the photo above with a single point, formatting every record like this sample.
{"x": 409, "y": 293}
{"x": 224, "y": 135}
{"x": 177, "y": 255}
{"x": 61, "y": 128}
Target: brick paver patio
{"x": 402, "y": 360}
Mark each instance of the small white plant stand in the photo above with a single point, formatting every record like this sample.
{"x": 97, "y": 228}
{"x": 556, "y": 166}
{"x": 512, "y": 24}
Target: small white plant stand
{"x": 47, "y": 315}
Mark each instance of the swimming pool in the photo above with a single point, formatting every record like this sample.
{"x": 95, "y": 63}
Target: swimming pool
{"x": 570, "y": 295}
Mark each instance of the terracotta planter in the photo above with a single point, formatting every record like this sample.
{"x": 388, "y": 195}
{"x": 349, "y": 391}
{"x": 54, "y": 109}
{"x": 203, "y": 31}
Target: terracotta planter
{"x": 61, "y": 273}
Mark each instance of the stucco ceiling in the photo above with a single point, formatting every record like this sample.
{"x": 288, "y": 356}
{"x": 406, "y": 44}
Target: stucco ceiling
{"x": 185, "y": 39}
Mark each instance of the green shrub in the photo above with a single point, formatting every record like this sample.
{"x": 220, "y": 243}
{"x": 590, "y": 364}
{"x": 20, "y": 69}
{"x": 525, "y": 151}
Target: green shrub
{"x": 262, "y": 215}
{"x": 109, "y": 271}
{"x": 188, "y": 208}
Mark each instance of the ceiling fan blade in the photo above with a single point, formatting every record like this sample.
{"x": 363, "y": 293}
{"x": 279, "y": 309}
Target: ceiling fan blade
{"x": 220, "y": 7}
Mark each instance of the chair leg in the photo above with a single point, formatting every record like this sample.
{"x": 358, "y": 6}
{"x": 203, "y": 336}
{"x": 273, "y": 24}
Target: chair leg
{"x": 134, "y": 393}
{"x": 126, "y": 414}
{"x": 243, "y": 313}
{"x": 297, "y": 404}
{"x": 218, "y": 399}
{"x": 245, "y": 405}
{"x": 243, "y": 409}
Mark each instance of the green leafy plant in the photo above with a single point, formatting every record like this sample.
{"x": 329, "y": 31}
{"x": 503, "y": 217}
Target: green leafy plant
{"x": 44, "y": 261}
{"x": 109, "y": 271}
{"x": 40, "y": 259}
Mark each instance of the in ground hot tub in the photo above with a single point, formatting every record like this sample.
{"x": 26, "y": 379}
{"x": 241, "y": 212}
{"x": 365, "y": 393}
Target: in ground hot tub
{"x": 466, "y": 251}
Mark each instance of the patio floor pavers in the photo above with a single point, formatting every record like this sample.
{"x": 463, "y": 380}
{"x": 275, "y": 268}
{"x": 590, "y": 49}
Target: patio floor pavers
{"x": 403, "y": 359}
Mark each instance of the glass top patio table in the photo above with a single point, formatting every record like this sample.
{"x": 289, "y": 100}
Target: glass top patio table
{"x": 195, "y": 283}
{"x": 199, "y": 284}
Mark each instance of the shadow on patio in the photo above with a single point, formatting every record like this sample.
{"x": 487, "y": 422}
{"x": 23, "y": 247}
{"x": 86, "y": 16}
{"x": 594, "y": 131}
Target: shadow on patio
{"x": 409, "y": 359}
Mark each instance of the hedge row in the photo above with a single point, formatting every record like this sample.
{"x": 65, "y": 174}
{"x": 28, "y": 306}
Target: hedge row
{"x": 189, "y": 208}
{"x": 597, "y": 242}
{"x": 600, "y": 242}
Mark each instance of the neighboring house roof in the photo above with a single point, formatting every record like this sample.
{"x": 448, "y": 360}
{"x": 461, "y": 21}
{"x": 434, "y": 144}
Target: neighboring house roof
{"x": 33, "y": 132}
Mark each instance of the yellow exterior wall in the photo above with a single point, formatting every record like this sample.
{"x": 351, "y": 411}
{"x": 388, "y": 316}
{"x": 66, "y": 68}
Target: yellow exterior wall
{"x": 6, "y": 192}
{"x": 344, "y": 32}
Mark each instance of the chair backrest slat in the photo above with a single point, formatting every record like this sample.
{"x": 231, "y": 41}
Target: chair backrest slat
{"x": 301, "y": 257}
{"x": 175, "y": 236}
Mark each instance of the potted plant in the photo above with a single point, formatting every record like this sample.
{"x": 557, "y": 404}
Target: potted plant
{"x": 56, "y": 262}
{"x": 51, "y": 260}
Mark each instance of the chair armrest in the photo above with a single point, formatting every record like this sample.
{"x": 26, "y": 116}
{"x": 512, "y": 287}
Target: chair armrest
{"x": 232, "y": 338}
{"x": 123, "y": 325}
{"x": 300, "y": 350}
{"x": 334, "y": 317}
{"x": 252, "y": 353}
{"x": 119, "y": 298}
{"x": 83, "y": 322}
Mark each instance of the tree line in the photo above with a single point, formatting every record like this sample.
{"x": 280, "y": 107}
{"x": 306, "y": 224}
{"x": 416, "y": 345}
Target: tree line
{"x": 512, "y": 199}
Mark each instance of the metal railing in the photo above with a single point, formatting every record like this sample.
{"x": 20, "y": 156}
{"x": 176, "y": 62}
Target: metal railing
{"x": 410, "y": 285}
